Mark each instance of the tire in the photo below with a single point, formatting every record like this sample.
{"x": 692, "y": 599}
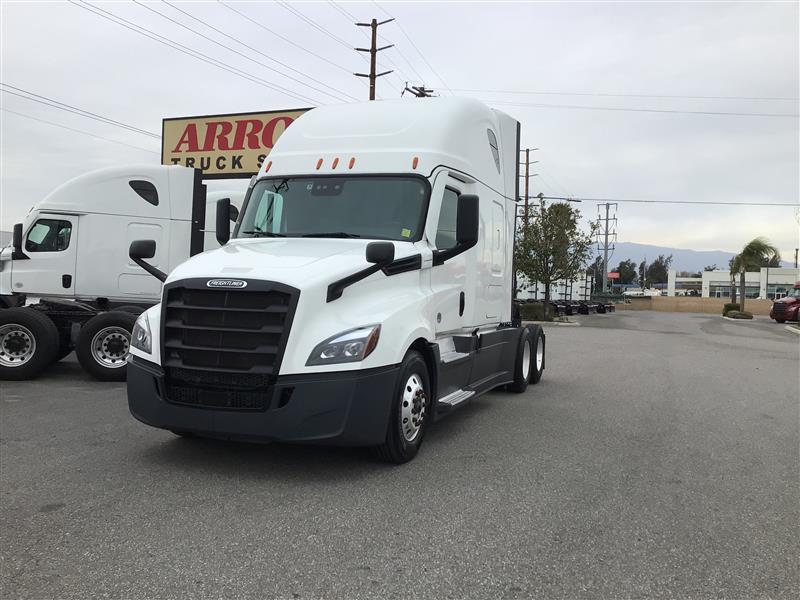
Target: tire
{"x": 130, "y": 308}
{"x": 103, "y": 343}
{"x": 413, "y": 383}
{"x": 28, "y": 343}
{"x": 538, "y": 340}
{"x": 523, "y": 363}
{"x": 780, "y": 320}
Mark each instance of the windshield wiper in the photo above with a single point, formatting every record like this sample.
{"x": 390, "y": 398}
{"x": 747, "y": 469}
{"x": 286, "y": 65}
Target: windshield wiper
{"x": 330, "y": 234}
{"x": 259, "y": 233}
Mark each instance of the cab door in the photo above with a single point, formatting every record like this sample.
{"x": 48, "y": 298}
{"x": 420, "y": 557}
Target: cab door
{"x": 50, "y": 257}
{"x": 452, "y": 283}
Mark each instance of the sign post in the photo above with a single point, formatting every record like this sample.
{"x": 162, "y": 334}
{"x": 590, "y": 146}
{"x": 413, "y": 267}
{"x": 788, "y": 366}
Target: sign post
{"x": 224, "y": 146}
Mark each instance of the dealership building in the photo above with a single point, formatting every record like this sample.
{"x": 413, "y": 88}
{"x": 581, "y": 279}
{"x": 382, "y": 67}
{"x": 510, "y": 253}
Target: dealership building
{"x": 769, "y": 282}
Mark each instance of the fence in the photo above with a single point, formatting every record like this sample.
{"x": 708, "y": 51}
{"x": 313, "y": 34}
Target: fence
{"x": 694, "y": 304}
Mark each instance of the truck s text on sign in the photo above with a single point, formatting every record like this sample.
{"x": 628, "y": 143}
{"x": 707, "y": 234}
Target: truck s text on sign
{"x": 223, "y": 146}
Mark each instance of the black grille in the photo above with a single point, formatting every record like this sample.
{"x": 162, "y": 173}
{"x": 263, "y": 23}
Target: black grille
{"x": 778, "y": 308}
{"x": 222, "y": 348}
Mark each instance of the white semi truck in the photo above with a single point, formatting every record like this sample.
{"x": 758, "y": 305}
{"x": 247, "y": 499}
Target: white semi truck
{"x": 366, "y": 289}
{"x": 67, "y": 282}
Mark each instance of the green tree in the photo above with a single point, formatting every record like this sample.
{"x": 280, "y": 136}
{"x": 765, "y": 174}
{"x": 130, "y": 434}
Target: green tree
{"x": 757, "y": 253}
{"x": 626, "y": 270}
{"x": 595, "y": 270}
{"x": 553, "y": 247}
{"x": 658, "y": 270}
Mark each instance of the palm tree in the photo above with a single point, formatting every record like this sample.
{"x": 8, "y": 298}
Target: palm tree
{"x": 757, "y": 253}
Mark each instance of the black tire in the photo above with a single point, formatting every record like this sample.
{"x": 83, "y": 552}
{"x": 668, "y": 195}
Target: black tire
{"x": 538, "y": 340}
{"x": 22, "y": 328}
{"x": 520, "y": 383}
{"x": 183, "y": 434}
{"x": 111, "y": 345}
{"x": 130, "y": 308}
{"x": 396, "y": 448}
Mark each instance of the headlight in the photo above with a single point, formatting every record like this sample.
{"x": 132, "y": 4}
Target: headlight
{"x": 140, "y": 336}
{"x": 349, "y": 346}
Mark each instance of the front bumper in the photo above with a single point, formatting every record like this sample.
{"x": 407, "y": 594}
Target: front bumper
{"x": 347, "y": 408}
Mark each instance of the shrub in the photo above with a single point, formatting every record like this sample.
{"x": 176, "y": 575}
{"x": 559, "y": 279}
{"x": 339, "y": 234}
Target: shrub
{"x": 532, "y": 311}
{"x": 729, "y": 306}
{"x": 739, "y": 314}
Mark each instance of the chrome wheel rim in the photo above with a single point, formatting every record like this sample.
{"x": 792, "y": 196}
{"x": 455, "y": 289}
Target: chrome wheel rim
{"x": 110, "y": 347}
{"x": 413, "y": 408}
{"x": 526, "y": 360}
{"x": 539, "y": 357}
{"x": 17, "y": 345}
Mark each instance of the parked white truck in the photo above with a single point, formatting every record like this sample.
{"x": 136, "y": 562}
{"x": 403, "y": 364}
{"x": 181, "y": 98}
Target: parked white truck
{"x": 366, "y": 290}
{"x": 67, "y": 282}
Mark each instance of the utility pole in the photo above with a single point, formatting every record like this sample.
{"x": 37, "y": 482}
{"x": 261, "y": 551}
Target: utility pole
{"x": 796, "y": 250}
{"x": 373, "y": 53}
{"x": 606, "y": 231}
{"x": 527, "y": 175}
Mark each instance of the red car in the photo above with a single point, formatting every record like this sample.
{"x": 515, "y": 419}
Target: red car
{"x": 786, "y": 308}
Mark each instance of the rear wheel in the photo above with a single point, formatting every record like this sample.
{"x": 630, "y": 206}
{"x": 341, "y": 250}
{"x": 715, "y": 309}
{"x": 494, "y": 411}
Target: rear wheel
{"x": 103, "y": 345}
{"x": 28, "y": 343}
{"x": 409, "y": 413}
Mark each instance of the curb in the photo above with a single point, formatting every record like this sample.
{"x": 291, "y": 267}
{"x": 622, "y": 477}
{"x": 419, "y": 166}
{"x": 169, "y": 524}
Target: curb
{"x": 753, "y": 320}
{"x": 793, "y": 329}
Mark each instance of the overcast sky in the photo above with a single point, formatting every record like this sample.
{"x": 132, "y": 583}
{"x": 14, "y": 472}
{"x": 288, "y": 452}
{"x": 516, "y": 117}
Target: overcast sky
{"x": 723, "y": 49}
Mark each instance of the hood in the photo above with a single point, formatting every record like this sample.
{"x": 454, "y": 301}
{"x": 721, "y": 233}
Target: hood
{"x": 787, "y": 300}
{"x": 298, "y": 262}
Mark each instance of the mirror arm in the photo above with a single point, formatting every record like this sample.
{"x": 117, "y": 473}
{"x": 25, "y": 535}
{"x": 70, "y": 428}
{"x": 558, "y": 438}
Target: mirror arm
{"x": 441, "y": 256}
{"x": 154, "y": 271}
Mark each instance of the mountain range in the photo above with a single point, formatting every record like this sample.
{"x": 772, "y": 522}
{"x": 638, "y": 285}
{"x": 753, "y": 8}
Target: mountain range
{"x": 682, "y": 260}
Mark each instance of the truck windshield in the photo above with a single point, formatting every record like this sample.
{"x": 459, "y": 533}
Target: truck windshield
{"x": 376, "y": 207}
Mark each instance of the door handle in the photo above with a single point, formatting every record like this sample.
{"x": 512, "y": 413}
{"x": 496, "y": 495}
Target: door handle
{"x": 461, "y": 305}
{"x": 66, "y": 280}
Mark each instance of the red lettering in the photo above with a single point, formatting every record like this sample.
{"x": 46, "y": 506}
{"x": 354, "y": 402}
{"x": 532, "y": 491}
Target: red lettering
{"x": 220, "y": 138}
{"x": 273, "y": 130}
{"x": 188, "y": 137}
{"x": 247, "y": 128}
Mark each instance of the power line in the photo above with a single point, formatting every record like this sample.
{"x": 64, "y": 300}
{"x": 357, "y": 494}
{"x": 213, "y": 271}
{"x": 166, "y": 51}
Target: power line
{"x": 314, "y": 24}
{"x": 605, "y": 95}
{"x": 72, "y": 109}
{"x": 339, "y": 92}
{"x": 698, "y": 202}
{"x": 89, "y": 133}
{"x": 188, "y": 51}
{"x": 645, "y": 110}
{"x": 285, "y": 39}
{"x": 425, "y": 60}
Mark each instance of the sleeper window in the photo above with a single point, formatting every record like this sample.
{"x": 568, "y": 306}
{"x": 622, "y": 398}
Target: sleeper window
{"x": 494, "y": 148}
{"x": 48, "y": 235}
{"x": 446, "y": 229}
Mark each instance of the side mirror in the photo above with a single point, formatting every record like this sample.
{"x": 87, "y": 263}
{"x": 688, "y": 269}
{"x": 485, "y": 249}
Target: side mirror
{"x": 16, "y": 243}
{"x": 16, "y": 238}
{"x": 141, "y": 249}
{"x": 467, "y": 220}
{"x": 223, "y": 221}
{"x": 380, "y": 253}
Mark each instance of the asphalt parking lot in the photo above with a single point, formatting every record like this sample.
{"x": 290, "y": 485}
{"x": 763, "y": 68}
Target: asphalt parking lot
{"x": 657, "y": 458}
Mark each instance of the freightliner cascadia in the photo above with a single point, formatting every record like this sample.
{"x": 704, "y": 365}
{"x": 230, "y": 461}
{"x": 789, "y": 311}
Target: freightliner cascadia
{"x": 365, "y": 291}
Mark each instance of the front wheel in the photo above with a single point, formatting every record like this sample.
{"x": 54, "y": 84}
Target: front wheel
{"x": 410, "y": 411}
{"x": 103, "y": 345}
{"x": 28, "y": 343}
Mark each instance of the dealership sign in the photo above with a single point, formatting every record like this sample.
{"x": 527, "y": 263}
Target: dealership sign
{"x": 613, "y": 275}
{"x": 224, "y": 146}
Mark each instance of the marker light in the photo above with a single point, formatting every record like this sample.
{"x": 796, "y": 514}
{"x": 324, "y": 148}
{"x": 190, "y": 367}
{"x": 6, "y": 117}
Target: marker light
{"x": 319, "y": 164}
{"x": 352, "y": 162}
{"x": 335, "y": 163}
{"x": 415, "y": 162}
{"x": 268, "y": 167}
